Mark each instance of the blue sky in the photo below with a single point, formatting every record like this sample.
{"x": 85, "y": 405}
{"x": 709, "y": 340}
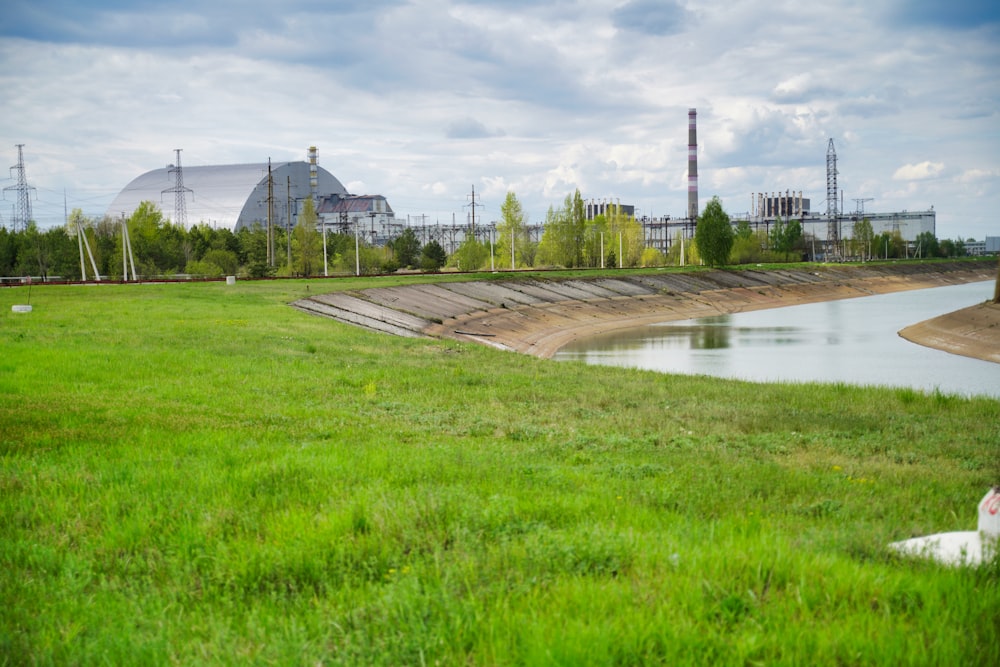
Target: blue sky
{"x": 422, "y": 100}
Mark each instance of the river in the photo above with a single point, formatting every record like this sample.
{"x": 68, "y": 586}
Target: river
{"x": 853, "y": 341}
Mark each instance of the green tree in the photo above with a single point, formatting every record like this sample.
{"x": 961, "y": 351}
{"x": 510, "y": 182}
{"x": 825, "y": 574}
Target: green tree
{"x": 714, "y": 234}
{"x": 432, "y": 256}
{"x": 64, "y": 256}
{"x": 652, "y": 257}
{"x": 682, "y": 251}
{"x": 562, "y": 241}
{"x": 743, "y": 230}
{"x": 471, "y": 255}
{"x": 406, "y": 247}
{"x": 785, "y": 237}
{"x": 889, "y": 245}
{"x": 862, "y": 237}
{"x": 106, "y": 233}
{"x": 253, "y": 251}
{"x": 157, "y": 245}
{"x": 199, "y": 240}
{"x": 927, "y": 245}
{"x": 624, "y": 235}
{"x": 596, "y": 240}
{"x": 9, "y": 242}
{"x": 33, "y": 260}
{"x": 226, "y": 261}
{"x": 512, "y": 233}
{"x": 749, "y": 249}
{"x": 307, "y": 243}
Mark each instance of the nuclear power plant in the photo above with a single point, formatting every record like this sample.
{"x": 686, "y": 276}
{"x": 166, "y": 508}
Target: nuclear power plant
{"x": 827, "y": 231}
{"x": 270, "y": 195}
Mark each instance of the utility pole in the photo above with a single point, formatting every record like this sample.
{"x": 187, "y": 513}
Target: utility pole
{"x": 473, "y": 205}
{"x": 288, "y": 220}
{"x": 270, "y": 210}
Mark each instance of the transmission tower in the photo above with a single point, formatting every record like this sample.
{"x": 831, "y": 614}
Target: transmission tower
{"x": 861, "y": 205}
{"x": 180, "y": 203}
{"x": 22, "y": 214}
{"x": 832, "y": 215}
{"x": 473, "y": 204}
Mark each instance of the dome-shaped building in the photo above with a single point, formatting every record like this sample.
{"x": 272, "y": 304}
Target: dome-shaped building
{"x": 231, "y": 196}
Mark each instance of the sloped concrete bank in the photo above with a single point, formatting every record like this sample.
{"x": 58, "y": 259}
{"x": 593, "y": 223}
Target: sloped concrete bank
{"x": 971, "y": 332}
{"x": 537, "y": 316}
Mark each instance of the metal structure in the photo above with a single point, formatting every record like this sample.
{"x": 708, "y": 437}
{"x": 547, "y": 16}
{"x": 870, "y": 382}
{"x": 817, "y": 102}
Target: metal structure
{"x": 22, "y": 213}
{"x": 861, "y": 205}
{"x": 231, "y": 196}
{"x": 180, "y": 201}
{"x": 832, "y": 214}
{"x": 692, "y": 211}
{"x": 472, "y": 205}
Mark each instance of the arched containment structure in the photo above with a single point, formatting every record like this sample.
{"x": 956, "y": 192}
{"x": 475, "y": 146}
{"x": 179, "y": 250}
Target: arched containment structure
{"x": 231, "y": 196}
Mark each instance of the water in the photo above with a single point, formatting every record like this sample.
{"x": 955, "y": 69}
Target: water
{"x": 853, "y": 341}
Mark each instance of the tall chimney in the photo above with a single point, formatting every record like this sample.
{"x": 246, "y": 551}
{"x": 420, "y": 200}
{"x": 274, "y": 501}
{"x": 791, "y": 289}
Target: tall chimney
{"x": 313, "y": 175}
{"x": 692, "y": 164}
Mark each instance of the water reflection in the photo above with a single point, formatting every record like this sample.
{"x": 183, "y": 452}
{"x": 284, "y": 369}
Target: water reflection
{"x": 712, "y": 333}
{"x": 852, "y": 341}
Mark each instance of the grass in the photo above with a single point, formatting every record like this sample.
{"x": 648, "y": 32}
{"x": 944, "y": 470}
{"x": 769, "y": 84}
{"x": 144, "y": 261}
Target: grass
{"x": 197, "y": 473}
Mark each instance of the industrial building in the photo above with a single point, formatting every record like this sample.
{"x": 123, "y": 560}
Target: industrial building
{"x": 233, "y": 196}
{"x": 604, "y": 207}
{"x": 370, "y": 215}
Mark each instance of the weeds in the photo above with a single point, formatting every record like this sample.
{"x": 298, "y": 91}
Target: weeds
{"x": 181, "y": 484}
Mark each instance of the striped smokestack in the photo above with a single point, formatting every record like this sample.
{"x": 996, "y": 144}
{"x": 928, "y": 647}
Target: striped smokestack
{"x": 692, "y": 163}
{"x": 313, "y": 175}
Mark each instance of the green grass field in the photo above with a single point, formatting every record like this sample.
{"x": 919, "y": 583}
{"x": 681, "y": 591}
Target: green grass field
{"x": 198, "y": 473}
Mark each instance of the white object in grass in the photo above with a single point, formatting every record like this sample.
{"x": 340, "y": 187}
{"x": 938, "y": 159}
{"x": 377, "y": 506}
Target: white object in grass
{"x": 961, "y": 547}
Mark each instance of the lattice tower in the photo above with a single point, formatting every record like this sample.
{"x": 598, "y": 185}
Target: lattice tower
{"x": 22, "y": 213}
{"x": 180, "y": 200}
{"x": 832, "y": 214}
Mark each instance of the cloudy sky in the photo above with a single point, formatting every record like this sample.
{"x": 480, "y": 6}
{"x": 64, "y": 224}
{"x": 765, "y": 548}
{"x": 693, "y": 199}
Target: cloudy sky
{"x": 422, "y": 100}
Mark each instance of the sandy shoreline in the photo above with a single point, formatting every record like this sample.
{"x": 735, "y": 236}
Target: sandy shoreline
{"x": 538, "y": 316}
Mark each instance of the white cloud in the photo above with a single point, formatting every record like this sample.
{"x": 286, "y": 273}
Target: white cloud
{"x": 417, "y": 101}
{"x": 918, "y": 172}
{"x": 978, "y": 175}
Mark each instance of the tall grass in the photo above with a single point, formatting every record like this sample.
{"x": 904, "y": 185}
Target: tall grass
{"x": 200, "y": 474}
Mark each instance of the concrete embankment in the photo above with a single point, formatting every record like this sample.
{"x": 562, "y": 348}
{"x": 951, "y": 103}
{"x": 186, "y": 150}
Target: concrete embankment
{"x": 971, "y": 332}
{"x": 536, "y": 315}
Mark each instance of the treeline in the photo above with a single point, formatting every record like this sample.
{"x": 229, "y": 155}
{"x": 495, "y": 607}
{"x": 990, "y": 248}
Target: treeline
{"x": 718, "y": 242}
{"x": 160, "y": 248}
